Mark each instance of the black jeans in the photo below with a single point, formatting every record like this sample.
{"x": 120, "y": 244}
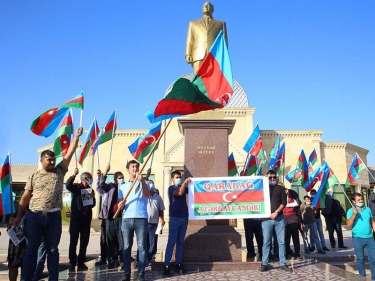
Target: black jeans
{"x": 253, "y": 227}
{"x": 334, "y": 224}
{"x": 291, "y": 231}
{"x": 115, "y": 243}
{"x": 79, "y": 228}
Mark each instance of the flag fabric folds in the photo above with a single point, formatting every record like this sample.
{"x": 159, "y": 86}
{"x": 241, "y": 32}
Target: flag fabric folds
{"x": 6, "y": 194}
{"x": 143, "y": 145}
{"x": 254, "y": 144}
{"x": 91, "y": 136}
{"x": 62, "y": 142}
{"x": 302, "y": 164}
{"x": 328, "y": 181}
{"x": 250, "y": 166}
{"x": 314, "y": 177}
{"x": 280, "y": 159}
{"x": 313, "y": 157}
{"x": 106, "y": 133}
{"x": 46, "y": 123}
{"x": 260, "y": 163}
{"x": 214, "y": 76}
{"x": 273, "y": 153}
{"x": 355, "y": 168}
{"x": 183, "y": 99}
{"x": 232, "y": 167}
{"x": 294, "y": 175}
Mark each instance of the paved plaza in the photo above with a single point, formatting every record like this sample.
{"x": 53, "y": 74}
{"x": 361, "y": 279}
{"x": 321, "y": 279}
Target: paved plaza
{"x": 306, "y": 269}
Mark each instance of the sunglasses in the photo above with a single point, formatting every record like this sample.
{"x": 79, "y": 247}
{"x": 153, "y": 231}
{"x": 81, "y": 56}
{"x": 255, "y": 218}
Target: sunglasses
{"x": 272, "y": 178}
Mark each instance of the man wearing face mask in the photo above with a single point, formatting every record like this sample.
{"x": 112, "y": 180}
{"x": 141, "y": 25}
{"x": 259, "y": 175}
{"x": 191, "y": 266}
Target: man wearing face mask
{"x": 80, "y": 220}
{"x": 275, "y": 221}
{"x": 114, "y": 240}
{"x": 155, "y": 210}
{"x": 360, "y": 219}
{"x": 333, "y": 213}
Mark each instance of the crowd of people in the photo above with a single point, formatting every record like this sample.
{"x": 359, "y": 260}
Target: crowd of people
{"x": 141, "y": 213}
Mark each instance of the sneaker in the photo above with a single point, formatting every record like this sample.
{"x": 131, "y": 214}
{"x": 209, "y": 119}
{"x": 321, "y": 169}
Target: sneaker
{"x": 100, "y": 262}
{"x": 320, "y": 251}
{"x": 262, "y": 268}
{"x": 325, "y": 249}
{"x": 312, "y": 249}
{"x": 126, "y": 278}
{"x": 141, "y": 277}
{"x": 116, "y": 263}
{"x": 343, "y": 247}
{"x": 72, "y": 267}
{"x": 178, "y": 268}
{"x": 82, "y": 266}
{"x": 286, "y": 268}
{"x": 111, "y": 265}
{"x": 167, "y": 271}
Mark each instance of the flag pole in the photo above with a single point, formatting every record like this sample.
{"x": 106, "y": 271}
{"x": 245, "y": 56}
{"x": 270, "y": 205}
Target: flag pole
{"x": 343, "y": 190}
{"x": 144, "y": 165}
{"x": 75, "y": 151}
{"x": 113, "y": 134}
{"x": 80, "y": 119}
{"x": 152, "y": 159}
{"x": 10, "y": 184}
{"x": 96, "y": 135}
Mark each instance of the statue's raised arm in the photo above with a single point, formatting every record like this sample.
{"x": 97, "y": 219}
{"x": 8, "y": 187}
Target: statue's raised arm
{"x": 201, "y": 35}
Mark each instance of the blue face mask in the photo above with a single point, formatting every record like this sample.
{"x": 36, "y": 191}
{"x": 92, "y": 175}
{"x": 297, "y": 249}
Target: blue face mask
{"x": 273, "y": 183}
{"x": 120, "y": 181}
{"x": 359, "y": 204}
{"x": 329, "y": 194}
{"x": 177, "y": 181}
{"x": 90, "y": 182}
{"x": 151, "y": 185}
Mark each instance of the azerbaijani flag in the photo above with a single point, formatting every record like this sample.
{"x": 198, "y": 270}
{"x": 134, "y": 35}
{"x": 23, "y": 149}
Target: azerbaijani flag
{"x": 89, "y": 140}
{"x": 294, "y": 175}
{"x": 280, "y": 160}
{"x": 143, "y": 145}
{"x": 313, "y": 157}
{"x": 302, "y": 164}
{"x": 106, "y": 133}
{"x": 251, "y": 165}
{"x": 232, "y": 167}
{"x": 254, "y": 144}
{"x": 273, "y": 153}
{"x": 260, "y": 163}
{"x": 355, "y": 168}
{"x": 62, "y": 142}
{"x": 228, "y": 200}
{"x": 183, "y": 99}
{"x": 46, "y": 123}
{"x": 76, "y": 102}
{"x": 314, "y": 177}
{"x": 214, "y": 77}
{"x": 6, "y": 196}
{"x": 328, "y": 181}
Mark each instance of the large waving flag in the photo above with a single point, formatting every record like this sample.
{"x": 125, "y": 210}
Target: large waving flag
{"x": 355, "y": 168}
{"x": 313, "y": 157}
{"x": 260, "y": 163}
{"x": 232, "y": 167}
{"x": 328, "y": 181}
{"x": 214, "y": 77}
{"x": 273, "y": 153}
{"x": 46, "y": 123}
{"x": 315, "y": 176}
{"x": 6, "y": 196}
{"x": 280, "y": 160}
{"x": 250, "y": 166}
{"x": 91, "y": 136}
{"x": 62, "y": 142}
{"x": 302, "y": 164}
{"x": 143, "y": 145}
{"x": 184, "y": 98}
{"x": 254, "y": 144}
{"x": 106, "y": 133}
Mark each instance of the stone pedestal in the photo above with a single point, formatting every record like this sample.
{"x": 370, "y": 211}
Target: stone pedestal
{"x": 206, "y": 155}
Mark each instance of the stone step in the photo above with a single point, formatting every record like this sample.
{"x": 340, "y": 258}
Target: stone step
{"x": 349, "y": 266}
{"x": 211, "y": 266}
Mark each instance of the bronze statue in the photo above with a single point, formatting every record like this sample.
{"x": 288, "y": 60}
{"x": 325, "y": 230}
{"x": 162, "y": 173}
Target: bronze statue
{"x": 201, "y": 35}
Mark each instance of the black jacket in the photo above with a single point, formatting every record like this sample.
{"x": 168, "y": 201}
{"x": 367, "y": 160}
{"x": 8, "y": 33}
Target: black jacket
{"x": 77, "y": 208}
{"x": 327, "y": 211}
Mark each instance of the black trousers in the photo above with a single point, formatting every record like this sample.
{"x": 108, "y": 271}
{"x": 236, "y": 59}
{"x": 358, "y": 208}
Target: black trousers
{"x": 253, "y": 227}
{"x": 115, "y": 244}
{"x": 103, "y": 241}
{"x": 79, "y": 228}
{"x": 291, "y": 231}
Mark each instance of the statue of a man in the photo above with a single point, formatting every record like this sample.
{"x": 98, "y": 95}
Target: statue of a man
{"x": 201, "y": 35}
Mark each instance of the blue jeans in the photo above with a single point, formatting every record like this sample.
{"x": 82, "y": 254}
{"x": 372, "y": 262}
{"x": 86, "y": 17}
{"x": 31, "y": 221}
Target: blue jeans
{"x": 140, "y": 228}
{"x": 268, "y": 225}
{"x": 314, "y": 239}
{"x": 40, "y": 263}
{"x": 151, "y": 241}
{"x": 36, "y": 227}
{"x": 319, "y": 227}
{"x": 176, "y": 236}
{"x": 360, "y": 244}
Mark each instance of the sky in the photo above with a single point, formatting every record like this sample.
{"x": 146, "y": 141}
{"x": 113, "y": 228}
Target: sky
{"x": 305, "y": 65}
